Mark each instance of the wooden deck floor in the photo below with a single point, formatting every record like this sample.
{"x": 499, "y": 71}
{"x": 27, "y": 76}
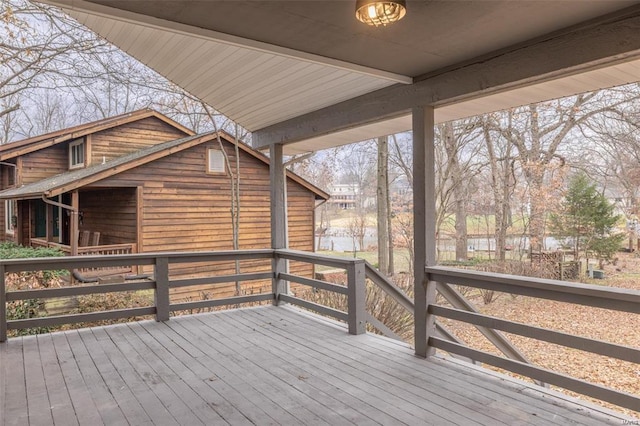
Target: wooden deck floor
{"x": 262, "y": 365}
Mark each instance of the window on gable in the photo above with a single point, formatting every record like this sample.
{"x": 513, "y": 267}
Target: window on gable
{"x": 10, "y": 218}
{"x": 215, "y": 161}
{"x": 76, "y": 154}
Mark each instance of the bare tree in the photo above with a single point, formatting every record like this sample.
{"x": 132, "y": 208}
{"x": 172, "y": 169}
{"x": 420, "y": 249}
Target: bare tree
{"x": 538, "y": 131}
{"x": 499, "y": 153}
{"x": 382, "y": 202}
{"x": 40, "y": 48}
{"x": 456, "y": 163}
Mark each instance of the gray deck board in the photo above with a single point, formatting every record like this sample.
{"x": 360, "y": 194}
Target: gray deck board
{"x": 264, "y": 365}
{"x": 498, "y": 396}
{"x": 84, "y": 407}
{"x": 306, "y": 408}
{"x": 110, "y": 412}
{"x": 407, "y": 369}
{"x": 37, "y": 396}
{"x": 15, "y": 404}
{"x": 399, "y": 408}
{"x": 229, "y": 400}
{"x": 361, "y": 368}
{"x": 157, "y": 369}
{"x": 330, "y": 399}
{"x": 61, "y": 406}
{"x": 226, "y": 366}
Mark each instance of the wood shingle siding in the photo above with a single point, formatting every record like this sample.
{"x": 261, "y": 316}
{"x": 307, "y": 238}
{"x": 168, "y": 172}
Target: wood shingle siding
{"x": 110, "y": 212}
{"x": 116, "y": 142}
{"x": 186, "y": 208}
{"x": 42, "y": 164}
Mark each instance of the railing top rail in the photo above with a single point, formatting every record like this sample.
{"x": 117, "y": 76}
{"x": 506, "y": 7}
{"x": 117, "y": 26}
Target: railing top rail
{"x": 107, "y": 246}
{"x": 323, "y": 259}
{"x": 66, "y": 262}
{"x": 489, "y": 279}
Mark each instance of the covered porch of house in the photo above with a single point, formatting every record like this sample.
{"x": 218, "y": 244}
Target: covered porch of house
{"x": 89, "y": 221}
{"x": 519, "y": 54}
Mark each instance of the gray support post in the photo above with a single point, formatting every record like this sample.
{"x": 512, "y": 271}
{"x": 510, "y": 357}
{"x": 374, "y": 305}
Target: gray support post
{"x": 161, "y": 273}
{"x": 424, "y": 225}
{"x": 356, "y": 296}
{"x": 3, "y": 306}
{"x": 278, "y": 218}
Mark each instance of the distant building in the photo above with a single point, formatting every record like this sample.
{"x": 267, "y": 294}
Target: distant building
{"x": 343, "y": 196}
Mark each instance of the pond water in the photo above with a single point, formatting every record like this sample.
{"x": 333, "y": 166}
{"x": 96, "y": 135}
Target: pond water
{"x": 339, "y": 241}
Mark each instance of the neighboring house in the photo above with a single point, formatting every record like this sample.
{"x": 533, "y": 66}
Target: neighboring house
{"x": 143, "y": 183}
{"x": 343, "y": 196}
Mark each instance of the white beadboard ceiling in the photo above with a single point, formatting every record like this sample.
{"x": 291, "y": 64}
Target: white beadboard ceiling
{"x": 252, "y": 86}
{"x": 262, "y": 63}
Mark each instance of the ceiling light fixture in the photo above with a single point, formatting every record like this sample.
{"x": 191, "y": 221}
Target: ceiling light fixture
{"x": 379, "y": 12}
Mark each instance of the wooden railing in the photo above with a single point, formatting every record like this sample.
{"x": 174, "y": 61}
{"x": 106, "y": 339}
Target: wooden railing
{"x": 355, "y": 315}
{"x": 101, "y": 250}
{"x": 39, "y": 242}
{"x": 105, "y": 250}
{"x": 161, "y": 283}
{"x": 354, "y": 290}
{"x": 583, "y": 294}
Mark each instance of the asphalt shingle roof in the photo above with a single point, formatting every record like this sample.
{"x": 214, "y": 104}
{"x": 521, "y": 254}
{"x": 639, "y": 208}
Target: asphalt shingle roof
{"x": 37, "y": 189}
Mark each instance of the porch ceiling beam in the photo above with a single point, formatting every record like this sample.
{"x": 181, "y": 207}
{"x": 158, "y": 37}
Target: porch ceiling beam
{"x": 595, "y": 44}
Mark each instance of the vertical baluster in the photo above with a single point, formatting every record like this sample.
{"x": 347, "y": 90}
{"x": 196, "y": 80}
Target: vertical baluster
{"x": 162, "y": 288}
{"x": 356, "y": 297}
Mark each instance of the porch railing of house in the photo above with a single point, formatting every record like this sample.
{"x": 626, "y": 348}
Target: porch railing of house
{"x": 100, "y": 250}
{"x": 105, "y": 250}
{"x": 355, "y": 315}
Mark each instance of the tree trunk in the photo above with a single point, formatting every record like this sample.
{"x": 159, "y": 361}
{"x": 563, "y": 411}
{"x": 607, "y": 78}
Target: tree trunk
{"x": 459, "y": 191}
{"x": 382, "y": 192}
{"x": 461, "y": 227}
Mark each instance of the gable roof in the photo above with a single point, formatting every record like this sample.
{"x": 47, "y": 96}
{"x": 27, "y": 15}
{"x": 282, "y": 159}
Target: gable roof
{"x": 25, "y": 146}
{"x": 79, "y": 178}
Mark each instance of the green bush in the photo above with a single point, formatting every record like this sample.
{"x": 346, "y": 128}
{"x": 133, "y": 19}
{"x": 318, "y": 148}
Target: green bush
{"x": 30, "y": 308}
{"x": 11, "y": 250}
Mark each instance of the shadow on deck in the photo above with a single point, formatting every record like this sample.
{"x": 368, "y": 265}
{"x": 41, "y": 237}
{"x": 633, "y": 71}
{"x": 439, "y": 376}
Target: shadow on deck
{"x": 264, "y": 365}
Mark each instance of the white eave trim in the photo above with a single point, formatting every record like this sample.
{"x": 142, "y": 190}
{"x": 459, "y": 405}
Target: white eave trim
{"x": 209, "y": 35}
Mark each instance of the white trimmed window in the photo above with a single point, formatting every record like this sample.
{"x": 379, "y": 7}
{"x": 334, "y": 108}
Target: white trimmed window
{"x": 10, "y": 216}
{"x": 76, "y": 154}
{"x": 215, "y": 161}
